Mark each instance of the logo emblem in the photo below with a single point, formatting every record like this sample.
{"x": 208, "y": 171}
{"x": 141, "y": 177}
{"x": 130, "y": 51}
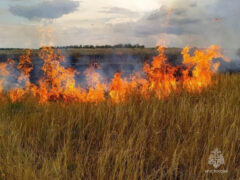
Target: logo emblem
{"x": 216, "y": 158}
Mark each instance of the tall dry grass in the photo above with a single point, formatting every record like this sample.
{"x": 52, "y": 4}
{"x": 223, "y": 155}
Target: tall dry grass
{"x": 139, "y": 139}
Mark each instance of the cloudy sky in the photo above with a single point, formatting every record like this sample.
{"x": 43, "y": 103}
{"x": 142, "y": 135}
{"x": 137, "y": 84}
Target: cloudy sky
{"x": 149, "y": 22}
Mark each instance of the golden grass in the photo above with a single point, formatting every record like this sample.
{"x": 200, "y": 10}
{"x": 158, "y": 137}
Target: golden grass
{"x": 140, "y": 139}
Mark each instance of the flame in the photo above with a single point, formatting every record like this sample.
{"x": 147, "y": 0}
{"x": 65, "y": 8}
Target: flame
{"x": 5, "y": 74}
{"x": 1, "y": 88}
{"x": 96, "y": 88}
{"x": 161, "y": 75}
{"x": 161, "y": 79}
{"x": 57, "y": 82}
{"x": 120, "y": 88}
{"x": 16, "y": 94}
{"x": 25, "y": 67}
{"x": 201, "y": 63}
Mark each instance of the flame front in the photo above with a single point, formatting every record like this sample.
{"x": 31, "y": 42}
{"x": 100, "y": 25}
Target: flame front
{"x": 161, "y": 75}
{"x": 200, "y": 64}
{"x": 59, "y": 83}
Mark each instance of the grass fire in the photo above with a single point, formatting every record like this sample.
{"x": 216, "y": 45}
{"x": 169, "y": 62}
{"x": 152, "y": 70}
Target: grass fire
{"x": 119, "y": 90}
{"x": 58, "y": 83}
{"x": 158, "y": 123}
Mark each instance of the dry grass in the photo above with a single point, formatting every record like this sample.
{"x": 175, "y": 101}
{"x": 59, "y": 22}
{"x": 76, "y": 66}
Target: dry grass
{"x": 153, "y": 139}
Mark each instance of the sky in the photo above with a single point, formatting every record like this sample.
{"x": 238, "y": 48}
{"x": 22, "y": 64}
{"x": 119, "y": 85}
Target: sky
{"x": 174, "y": 23}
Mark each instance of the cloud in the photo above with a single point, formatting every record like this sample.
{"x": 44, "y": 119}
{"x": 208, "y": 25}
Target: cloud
{"x": 179, "y": 22}
{"x": 199, "y": 24}
{"x": 45, "y": 10}
{"x": 196, "y": 24}
{"x": 28, "y": 38}
{"x": 118, "y": 10}
{"x": 156, "y": 14}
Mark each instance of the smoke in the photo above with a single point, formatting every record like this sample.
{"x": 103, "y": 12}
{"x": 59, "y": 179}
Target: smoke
{"x": 105, "y": 65}
{"x": 217, "y": 23}
{"x": 9, "y": 76}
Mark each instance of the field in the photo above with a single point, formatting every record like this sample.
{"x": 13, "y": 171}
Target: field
{"x": 93, "y": 51}
{"x": 137, "y": 139}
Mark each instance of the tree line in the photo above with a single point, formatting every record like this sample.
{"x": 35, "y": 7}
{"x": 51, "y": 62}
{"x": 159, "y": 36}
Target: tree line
{"x": 101, "y": 46}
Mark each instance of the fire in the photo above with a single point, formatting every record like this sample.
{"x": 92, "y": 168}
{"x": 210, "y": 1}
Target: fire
{"x": 96, "y": 88}
{"x": 161, "y": 75}
{"x": 16, "y": 94}
{"x": 1, "y": 89}
{"x": 120, "y": 88}
{"x": 25, "y": 67}
{"x": 58, "y": 83}
{"x": 5, "y": 75}
{"x": 201, "y": 64}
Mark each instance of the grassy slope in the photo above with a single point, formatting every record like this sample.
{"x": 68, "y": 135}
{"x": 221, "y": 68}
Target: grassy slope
{"x": 135, "y": 140}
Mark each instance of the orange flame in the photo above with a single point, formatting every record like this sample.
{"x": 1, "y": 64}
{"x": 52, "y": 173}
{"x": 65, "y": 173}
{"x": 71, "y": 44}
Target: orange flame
{"x": 120, "y": 89}
{"x": 161, "y": 78}
{"x": 25, "y": 67}
{"x": 161, "y": 75}
{"x": 201, "y": 63}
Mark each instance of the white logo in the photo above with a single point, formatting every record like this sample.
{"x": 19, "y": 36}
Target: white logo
{"x": 216, "y": 158}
